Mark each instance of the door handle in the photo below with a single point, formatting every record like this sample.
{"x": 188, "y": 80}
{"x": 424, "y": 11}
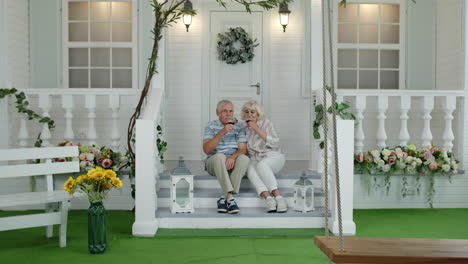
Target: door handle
{"x": 258, "y": 87}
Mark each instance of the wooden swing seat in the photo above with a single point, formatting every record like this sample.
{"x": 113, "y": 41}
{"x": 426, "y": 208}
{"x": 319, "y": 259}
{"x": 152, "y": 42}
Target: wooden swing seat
{"x": 394, "y": 250}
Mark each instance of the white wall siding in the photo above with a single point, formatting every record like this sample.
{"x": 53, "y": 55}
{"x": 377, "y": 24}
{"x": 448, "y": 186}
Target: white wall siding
{"x": 449, "y": 43}
{"x": 447, "y": 194}
{"x": 289, "y": 111}
{"x": 17, "y": 47}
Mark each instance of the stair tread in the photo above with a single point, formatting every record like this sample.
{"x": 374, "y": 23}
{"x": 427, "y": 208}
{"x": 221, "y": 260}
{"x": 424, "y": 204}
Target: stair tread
{"x": 165, "y": 176}
{"x": 247, "y": 212}
{"x": 243, "y": 193}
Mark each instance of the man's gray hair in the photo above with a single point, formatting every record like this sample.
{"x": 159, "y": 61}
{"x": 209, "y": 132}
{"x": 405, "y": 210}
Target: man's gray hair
{"x": 222, "y": 103}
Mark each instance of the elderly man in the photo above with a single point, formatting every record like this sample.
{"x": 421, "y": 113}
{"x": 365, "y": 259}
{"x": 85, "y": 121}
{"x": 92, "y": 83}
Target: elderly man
{"x": 225, "y": 144}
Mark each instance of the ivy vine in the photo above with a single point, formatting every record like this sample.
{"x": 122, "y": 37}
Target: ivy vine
{"x": 341, "y": 111}
{"x": 22, "y": 107}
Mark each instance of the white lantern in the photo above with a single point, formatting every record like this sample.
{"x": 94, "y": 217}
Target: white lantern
{"x": 181, "y": 189}
{"x": 304, "y": 195}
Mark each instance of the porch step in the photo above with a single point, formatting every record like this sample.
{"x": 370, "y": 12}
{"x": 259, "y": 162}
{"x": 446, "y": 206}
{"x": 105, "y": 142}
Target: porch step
{"x": 249, "y": 217}
{"x": 246, "y": 198}
{"x": 284, "y": 179}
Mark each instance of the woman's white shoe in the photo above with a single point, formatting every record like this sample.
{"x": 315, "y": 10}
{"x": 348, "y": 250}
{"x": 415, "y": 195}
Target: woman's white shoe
{"x": 282, "y": 205}
{"x": 270, "y": 204}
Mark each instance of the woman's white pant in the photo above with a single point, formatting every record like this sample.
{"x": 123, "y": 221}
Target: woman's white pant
{"x": 262, "y": 173}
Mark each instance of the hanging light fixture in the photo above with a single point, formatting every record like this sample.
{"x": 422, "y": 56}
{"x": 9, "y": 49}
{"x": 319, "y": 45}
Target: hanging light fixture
{"x": 284, "y": 15}
{"x": 187, "y": 18}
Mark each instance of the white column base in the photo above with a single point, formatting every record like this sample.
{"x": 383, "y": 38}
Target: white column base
{"x": 145, "y": 229}
{"x": 349, "y": 228}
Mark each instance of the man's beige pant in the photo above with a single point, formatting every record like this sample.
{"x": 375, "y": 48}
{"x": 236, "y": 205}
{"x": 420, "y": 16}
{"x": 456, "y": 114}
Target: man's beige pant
{"x": 229, "y": 181}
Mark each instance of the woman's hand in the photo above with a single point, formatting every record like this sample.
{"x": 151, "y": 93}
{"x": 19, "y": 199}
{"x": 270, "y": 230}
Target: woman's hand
{"x": 252, "y": 124}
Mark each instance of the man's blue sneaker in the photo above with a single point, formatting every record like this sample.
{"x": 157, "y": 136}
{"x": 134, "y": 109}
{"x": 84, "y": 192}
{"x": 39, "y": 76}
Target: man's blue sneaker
{"x": 222, "y": 207}
{"x": 232, "y": 207}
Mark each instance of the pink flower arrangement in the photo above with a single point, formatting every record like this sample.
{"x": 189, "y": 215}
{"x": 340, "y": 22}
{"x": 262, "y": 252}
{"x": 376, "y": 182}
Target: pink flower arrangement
{"x": 407, "y": 159}
{"x": 92, "y": 156}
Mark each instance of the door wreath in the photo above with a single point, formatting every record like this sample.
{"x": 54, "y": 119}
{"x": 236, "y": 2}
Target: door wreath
{"x": 235, "y": 46}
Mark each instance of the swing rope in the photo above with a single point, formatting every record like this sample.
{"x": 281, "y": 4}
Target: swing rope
{"x": 325, "y": 126}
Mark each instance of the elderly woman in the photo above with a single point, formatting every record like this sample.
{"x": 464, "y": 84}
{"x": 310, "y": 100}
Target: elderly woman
{"x": 265, "y": 154}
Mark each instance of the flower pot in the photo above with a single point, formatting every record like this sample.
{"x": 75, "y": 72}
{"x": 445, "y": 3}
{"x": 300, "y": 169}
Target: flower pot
{"x": 97, "y": 241}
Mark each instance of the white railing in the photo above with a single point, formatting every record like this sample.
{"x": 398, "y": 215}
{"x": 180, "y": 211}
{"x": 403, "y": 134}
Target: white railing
{"x": 387, "y": 118}
{"x": 391, "y": 118}
{"x": 147, "y": 162}
{"x": 88, "y": 116}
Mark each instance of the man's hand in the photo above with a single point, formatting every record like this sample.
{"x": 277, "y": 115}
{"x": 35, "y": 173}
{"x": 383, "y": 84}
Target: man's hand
{"x": 226, "y": 129}
{"x": 230, "y": 163}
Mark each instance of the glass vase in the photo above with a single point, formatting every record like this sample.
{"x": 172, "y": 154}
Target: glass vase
{"x": 97, "y": 241}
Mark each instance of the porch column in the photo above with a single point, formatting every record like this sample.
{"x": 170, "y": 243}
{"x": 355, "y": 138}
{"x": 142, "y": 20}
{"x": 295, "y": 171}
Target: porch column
{"x": 145, "y": 194}
{"x": 316, "y": 75}
{"x": 464, "y": 154}
{"x": 4, "y": 129}
{"x": 345, "y": 138}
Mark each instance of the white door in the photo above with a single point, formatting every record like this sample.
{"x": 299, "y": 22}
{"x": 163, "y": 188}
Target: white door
{"x": 238, "y": 82}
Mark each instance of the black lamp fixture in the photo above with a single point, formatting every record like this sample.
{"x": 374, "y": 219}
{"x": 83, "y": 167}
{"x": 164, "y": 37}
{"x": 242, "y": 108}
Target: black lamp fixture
{"x": 187, "y": 18}
{"x": 284, "y": 15}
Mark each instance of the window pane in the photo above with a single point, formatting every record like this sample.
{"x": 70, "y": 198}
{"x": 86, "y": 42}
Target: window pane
{"x": 369, "y": 13}
{"x": 121, "y": 57}
{"x": 390, "y": 13}
{"x": 390, "y": 34}
{"x": 121, "y": 11}
{"x": 122, "y": 32}
{"x": 368, "y": 59}
{"x": 347, "y": 58}
{"x": 100, "y": 57}
{"x": 389, "y": 80}
{"x": 100, "y": 11}
{"x": 100, "y": 78}
{"x": 78, "y": 57}
{"x": 347, "y": 79}
{"x": 78, "y": 78}
{"x": 78, "y": 32}
{"x": 77, "y": 11}
{"x": 100, "y": 32}
{"x": 122, "y": 78}
{"x": 347, "y": 33}
{"x": 348, "y": 13}
{"x": 368, "y": 34}
{"x": 390, "y": 59}
{"x": 368, "y": 79}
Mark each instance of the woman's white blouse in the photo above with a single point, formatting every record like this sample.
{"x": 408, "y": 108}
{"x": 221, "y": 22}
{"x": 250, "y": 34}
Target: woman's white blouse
{"x": 256, "y": 146}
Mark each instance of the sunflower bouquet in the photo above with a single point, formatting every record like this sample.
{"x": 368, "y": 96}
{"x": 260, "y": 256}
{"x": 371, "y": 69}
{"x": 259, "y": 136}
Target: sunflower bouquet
{"x": 95, "y": 184}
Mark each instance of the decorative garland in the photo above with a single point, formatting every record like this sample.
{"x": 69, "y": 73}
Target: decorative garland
{"x": 227, "y": 50}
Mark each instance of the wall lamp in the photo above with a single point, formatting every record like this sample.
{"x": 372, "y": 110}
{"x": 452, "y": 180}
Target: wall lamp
{"x": 187, "y": 18}
{"x": 284, "y": 15}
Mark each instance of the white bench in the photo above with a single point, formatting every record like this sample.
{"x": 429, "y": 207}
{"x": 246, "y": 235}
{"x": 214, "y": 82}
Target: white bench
{"x": 56, "y": 202}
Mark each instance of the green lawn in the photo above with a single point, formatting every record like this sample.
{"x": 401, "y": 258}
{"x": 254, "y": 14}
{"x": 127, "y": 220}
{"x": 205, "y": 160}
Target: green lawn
{"x": 218, "y": 246}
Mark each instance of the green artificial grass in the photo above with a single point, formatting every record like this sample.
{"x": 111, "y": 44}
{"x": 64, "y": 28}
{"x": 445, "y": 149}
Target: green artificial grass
{"x": 217, "y": 246}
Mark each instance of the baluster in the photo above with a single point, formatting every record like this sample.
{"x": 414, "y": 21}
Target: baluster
{"x": 23, "y": 135}
{"x": 44, "y": 105}
{"x": 427, "y": 108}
{"x": 67, "y": 104}
{"x": 405, "y": 105}
{"x": 114, "y": 103}
{"x": 448, "y": 137}
{"x": 381, "y": 116}
{"x": 359, "y": 131}
{"x": 90, "y": 104}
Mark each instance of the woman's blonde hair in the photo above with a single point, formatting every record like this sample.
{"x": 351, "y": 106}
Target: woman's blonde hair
{"x": 252, "y": 105}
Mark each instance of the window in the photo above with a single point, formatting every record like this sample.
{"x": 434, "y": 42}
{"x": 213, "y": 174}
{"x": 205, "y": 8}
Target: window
{"x": 100, "y": 44}
{"x": 369, "y": 46}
